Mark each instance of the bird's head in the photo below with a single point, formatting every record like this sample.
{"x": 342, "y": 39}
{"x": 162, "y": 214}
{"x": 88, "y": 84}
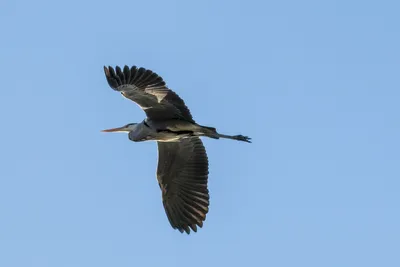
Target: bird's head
{"x": 124, "y": 129}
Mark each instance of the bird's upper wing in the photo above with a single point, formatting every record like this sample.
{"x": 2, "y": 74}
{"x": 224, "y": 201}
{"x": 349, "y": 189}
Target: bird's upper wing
{"x": 182, "y": 174}
{"x": 149, "y": 91}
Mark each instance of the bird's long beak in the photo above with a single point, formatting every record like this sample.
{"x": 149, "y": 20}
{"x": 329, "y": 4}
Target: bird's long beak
{"x": 112, "y": 130}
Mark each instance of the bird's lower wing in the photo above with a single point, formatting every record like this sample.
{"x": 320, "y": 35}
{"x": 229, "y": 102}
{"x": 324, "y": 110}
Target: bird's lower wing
{"x": 182, "y": 174}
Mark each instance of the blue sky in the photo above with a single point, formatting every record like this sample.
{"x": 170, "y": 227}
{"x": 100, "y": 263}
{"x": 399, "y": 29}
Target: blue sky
{"x": 314, "y": 83}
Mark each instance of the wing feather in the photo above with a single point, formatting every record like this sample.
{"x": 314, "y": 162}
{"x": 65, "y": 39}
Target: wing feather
{"x": 182, "y": 174}
{"x": 149, "y": 91}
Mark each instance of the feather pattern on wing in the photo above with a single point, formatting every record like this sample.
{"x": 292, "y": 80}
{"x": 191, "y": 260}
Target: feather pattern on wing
{"x": 149, "y": 91}
{"x": 182, "y": 174}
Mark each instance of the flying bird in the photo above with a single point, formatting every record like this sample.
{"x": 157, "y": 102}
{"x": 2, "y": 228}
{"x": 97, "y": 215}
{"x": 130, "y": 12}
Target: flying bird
{"x": 182, "y": 170}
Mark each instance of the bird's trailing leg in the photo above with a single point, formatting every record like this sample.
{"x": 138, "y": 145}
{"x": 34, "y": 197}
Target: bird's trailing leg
{"x": 238, "y": 137}
{"x": 212, "y": 133}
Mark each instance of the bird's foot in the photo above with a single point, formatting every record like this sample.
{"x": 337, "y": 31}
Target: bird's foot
{"x": 243, "y": 138}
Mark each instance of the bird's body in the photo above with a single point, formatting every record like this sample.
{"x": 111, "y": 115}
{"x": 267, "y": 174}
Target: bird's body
{"x": 182, "y": 170}
{"x": 165, "y": 131}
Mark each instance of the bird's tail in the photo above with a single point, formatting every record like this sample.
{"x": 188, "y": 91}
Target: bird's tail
{"x": 212, "y": 133}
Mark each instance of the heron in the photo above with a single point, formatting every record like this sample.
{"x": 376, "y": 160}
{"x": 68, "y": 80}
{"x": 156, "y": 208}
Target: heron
{"x": 182, "y": 169}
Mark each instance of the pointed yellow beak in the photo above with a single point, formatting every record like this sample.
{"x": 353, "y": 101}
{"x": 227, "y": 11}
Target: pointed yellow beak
{"x": 112, "y": 130}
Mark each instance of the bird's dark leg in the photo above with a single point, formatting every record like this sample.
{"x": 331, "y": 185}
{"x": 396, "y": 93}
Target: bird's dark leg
{"x": 212, "y": 133}
{"x": 236, "y": 137}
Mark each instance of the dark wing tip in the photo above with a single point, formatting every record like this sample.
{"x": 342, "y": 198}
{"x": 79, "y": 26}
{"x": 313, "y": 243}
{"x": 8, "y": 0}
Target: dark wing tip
{"x": 112, "y": 79}
{"x": 185, "y": 214}
{"x": 187, "y": 227}
{"x": 106, "y": 71}
{"x": 194, "y": 227}
{"x": 140, "y": 77}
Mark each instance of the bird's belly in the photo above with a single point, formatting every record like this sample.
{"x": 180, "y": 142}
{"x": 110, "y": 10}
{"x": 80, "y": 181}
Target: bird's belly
{"x": 170, "y": 136}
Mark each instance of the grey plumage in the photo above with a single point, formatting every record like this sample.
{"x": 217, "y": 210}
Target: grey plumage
{"x": 149, "y": 91}
{"x": 182, "y": 170}
{"x": 182, "y": 174}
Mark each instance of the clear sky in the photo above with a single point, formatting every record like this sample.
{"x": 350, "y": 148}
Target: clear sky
{"x": 314, "y": 83}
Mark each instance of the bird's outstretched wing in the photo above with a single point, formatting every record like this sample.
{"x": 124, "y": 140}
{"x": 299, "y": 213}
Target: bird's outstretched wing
{"x": 149, "y": 91}
{"x": 182, "y": 174}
